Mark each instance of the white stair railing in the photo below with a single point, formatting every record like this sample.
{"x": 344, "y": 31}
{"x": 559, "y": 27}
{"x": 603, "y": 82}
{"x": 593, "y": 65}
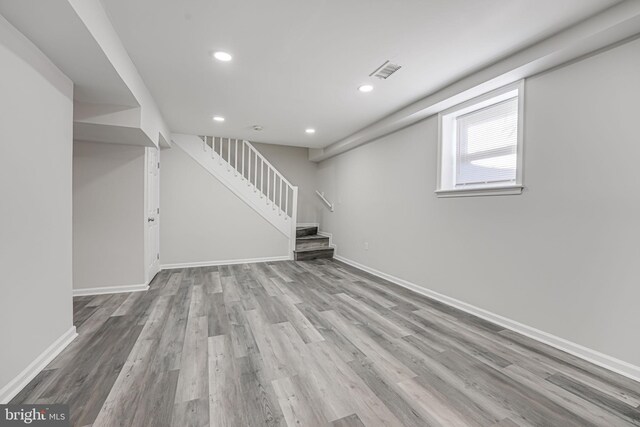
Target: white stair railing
{"x": 268, "y": 190}
{"x": 245, "y": 161}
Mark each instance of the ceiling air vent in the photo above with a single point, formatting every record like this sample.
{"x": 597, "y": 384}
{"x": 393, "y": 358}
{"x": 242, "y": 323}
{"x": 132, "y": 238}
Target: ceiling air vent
{"x": 385, "y": 70}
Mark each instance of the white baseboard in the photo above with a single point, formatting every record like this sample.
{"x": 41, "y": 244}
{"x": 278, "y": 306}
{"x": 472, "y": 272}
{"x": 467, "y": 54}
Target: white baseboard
{"x": 330, "y": 236}
{"x": 224, "y": 262}
{"x": 14, "y": 387}
{"x": 110, "y": 290}
{"x": 608, "y": 362}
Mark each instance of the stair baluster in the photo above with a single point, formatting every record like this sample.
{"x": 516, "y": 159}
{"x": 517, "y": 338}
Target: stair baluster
{"x": 281, "y": 213}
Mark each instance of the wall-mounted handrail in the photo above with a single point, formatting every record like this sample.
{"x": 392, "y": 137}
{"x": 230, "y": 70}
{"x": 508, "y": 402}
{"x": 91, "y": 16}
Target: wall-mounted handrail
{"x": 324, "y": 199}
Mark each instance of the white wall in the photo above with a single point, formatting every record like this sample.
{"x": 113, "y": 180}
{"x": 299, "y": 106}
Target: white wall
{"x": 202, "y": 221}
{"x": 563, "y": 257}
{"x": 95, "y": 18}
{"x": 36, "y": 112}
{"x": 294, "y": 164}
{"x": 108, "y": 215}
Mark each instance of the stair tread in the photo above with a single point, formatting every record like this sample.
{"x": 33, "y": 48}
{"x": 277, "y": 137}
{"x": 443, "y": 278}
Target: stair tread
{"x": 306, "y": 231}
{"x": 312, "y": 237}
{"x": 319, "y": 248}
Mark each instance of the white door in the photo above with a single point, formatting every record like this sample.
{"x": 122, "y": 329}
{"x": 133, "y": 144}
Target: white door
{"x": 152, "y": 209}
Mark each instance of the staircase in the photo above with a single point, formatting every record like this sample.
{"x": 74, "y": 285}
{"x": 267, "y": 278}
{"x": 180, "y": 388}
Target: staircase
{"x": 241, "y": 168}
{"x": 311, "y": 245}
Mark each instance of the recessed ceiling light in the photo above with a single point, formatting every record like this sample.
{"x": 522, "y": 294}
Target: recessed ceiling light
{"x": 365, "y": 88}
{"x": 218, "y": 118}
{"x": 310, "y": 130}
{"x": 222, "y": 56}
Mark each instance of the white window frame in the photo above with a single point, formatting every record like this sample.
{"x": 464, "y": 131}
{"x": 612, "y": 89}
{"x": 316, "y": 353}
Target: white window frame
{"x": 447, "y": 142}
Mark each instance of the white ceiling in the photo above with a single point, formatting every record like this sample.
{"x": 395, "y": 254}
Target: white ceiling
{"x": 58, "y": 31}
{"x": 298, "y": 64}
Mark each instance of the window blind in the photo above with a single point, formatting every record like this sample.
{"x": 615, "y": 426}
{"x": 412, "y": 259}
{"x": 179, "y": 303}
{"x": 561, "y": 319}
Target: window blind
{"x": 487, "y": 141}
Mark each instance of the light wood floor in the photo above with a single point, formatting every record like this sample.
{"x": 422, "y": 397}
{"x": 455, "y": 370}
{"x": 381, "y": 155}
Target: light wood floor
{"x": 311, "y": 344}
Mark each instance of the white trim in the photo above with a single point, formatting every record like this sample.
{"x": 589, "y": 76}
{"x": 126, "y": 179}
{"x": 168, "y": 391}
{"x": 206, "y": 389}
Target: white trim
{"x": 151, "y": 270}
{"x": 14, "y": 386}
{"x": 605, "y": 361}
{"x": 330, "y": 236}
{"x": 447, "y": 141}
{"x": 481, "y": 191}
{"x": 293, "y": 234}
{"x": 224, "y": 262}
{"x": 110, "y": 290}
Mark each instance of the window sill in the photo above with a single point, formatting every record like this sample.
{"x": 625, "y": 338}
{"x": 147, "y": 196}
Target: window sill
{"x": 482, "y": 191}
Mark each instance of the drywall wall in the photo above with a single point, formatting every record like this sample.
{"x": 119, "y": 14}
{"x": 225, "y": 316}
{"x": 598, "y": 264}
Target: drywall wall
{"x": 563, "y": 257}
{"x": 294, "y": 164}
{"x": 94, "y": 16}
{"x": 108, "y": 215}
{"x": 36, "y": 112}
{"x": 202, "y": 221}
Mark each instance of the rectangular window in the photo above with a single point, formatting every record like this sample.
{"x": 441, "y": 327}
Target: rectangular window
{"x": 481, "y": 145}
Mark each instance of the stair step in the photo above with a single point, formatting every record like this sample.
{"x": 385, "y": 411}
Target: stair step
{"x": 306, "y": 231}
{"x": 312, "y": 241}
{"x": 313, "y": 253}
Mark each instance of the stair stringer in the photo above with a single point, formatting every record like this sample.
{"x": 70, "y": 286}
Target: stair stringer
{"x": 236, "y": 183}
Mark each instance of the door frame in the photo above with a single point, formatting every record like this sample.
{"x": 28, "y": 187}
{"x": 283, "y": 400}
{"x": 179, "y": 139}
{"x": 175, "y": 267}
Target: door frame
{"x": 150, "y": 270}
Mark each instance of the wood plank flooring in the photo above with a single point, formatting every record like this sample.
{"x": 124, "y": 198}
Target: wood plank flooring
{"x": 314, "y": 343}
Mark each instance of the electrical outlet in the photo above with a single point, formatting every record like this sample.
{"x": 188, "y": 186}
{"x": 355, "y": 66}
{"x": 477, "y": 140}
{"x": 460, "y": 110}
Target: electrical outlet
{"x": 366, "y": 246}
